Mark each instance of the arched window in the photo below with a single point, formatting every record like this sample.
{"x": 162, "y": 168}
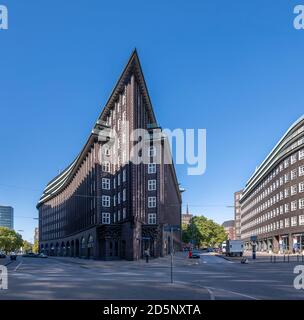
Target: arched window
{"x": 90, "y": 241}
{"x": 83, "y": 243}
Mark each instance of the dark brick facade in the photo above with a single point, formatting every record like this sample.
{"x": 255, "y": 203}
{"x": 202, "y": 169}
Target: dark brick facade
{"x": 75, "y": 217}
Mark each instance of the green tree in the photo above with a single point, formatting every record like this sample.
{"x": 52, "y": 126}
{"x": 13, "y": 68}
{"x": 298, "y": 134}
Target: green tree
{"x": 204, "y": 232}
{"x": 27, "y": 246}
{"x": 10, "y": 240}
{"x": 36, "y": 246}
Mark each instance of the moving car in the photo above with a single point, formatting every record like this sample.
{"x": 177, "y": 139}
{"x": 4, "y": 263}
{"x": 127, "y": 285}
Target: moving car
{"x": 194, "y": 255}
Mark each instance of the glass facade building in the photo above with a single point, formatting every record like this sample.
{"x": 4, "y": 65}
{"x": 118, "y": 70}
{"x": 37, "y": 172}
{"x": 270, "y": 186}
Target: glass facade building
{"x": 7, "y": 217}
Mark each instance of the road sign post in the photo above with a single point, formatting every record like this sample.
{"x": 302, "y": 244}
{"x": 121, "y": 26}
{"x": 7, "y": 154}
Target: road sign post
{"x": 171, "y": 229}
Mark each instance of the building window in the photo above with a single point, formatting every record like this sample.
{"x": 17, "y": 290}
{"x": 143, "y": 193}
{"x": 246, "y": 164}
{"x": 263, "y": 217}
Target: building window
{"x": 151, "y": 168}
{"x": 152, "y": 151}
{"x": 294, "y": 221}
{"x": 124, "y": 175}
{"x": 124, "y": 213}
{"x": 293, "y": 190}
{"x": 286, "y": 207}
{"x": 301, "y": 220}
{"x": 301, "y": 171}
{"x": 293, "y": 174}
{"x": 293, "y": 158}
{"x": 151, "y": 218}
{"x": 286, "y": 177}
{"x": 286, "y": 192}
{"x": 301, "y": 187}
{"x": 118, "y": 215}
{"x": 118, "y": 198}
{"x": 293, "y": 205}
{"x": 152, "y": 185}
{"x": 114, "y": 200}
{"x": 301, "y": 154}
{"x": 286, "y": 222}
{"x": 118, "y": 179}
{"x": 114, "y": 217}
{"x": 124, "y": 195}
{"x": 301, "y": 203}
{"x": 106, "y": 201}
{"x": 151, "y": 202}
{"x": 105, "y": 184}
{"x": 105, "y": 218}
{"x": 286, "y": 163}
{"x": 114, "y": 183}
{"x": 281, "y": 224}
{"x": 106, "y": 166}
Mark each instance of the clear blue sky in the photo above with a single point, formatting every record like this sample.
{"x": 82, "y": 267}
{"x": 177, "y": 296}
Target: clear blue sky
{"x": 233, "y": 67}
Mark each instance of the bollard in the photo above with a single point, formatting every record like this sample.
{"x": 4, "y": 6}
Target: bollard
{"x": 284, "y": 258}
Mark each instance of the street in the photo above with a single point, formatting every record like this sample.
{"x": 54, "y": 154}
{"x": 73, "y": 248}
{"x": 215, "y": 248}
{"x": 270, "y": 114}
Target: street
{"x": 207, "y": 278}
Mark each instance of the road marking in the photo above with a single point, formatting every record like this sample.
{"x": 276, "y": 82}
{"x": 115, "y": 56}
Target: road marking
{"x": 212, "y": 297}
{"x": 18, "y": 266}
{"x": 236, "y": 293}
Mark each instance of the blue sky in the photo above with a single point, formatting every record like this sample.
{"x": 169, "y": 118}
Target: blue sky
{"x": 232, "y": 67}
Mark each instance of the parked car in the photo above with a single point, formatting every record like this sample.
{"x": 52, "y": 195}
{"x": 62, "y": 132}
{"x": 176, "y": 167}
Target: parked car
{"x": 13, "y": 256}
{"x": 30, "y": 255}
{"x": 42, "y": 255}
{"x": 2, "y": 255}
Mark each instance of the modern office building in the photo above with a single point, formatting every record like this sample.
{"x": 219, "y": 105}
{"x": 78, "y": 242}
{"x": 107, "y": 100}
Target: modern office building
{"x": 272, "y": 203}
{"x": 229, "y": 227}
{"x": 104, "y": 205}
{"x": 237, "y": 214}
{"x": 7, "y": 217}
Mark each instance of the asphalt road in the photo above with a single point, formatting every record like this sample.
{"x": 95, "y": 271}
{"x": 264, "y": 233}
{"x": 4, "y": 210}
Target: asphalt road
{"x": 207, "y": 278}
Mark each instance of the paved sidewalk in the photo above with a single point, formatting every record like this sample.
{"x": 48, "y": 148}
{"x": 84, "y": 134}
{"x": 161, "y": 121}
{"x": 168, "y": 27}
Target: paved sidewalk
{"x": 179, "y": 259}
{"x": 265, "y": 257}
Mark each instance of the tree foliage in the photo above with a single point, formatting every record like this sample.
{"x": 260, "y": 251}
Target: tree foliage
{"x": 36, "y": 246}
{"x": 27, "y": 246}
{"x": 203, "y": 232}
{"x": 10, "y": 240}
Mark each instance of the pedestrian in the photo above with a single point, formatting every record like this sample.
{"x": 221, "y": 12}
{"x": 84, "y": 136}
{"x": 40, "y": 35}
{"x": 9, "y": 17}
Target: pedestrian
{"x": 147, "y": 254}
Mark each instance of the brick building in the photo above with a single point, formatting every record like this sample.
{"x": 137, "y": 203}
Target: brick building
{"x": 229, "y": 227}
{"x": 105, "y": 206}
{"x": 272, "y": 203}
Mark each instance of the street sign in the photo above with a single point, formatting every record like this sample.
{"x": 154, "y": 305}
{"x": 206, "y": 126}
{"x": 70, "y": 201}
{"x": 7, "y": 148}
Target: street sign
{"x": 173, "y": 227}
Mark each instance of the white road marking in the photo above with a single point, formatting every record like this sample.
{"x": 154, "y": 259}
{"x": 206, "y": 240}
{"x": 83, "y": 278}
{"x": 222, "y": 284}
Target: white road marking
{"x": 18, "y": 266}
{"x": 233, "y": 292}
{"x": 212, "y": 297}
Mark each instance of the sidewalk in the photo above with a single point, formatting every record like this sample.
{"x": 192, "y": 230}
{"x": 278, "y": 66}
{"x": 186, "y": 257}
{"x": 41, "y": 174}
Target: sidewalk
{"x": 165, "y": 262}
{"x": 266, "y": 257}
